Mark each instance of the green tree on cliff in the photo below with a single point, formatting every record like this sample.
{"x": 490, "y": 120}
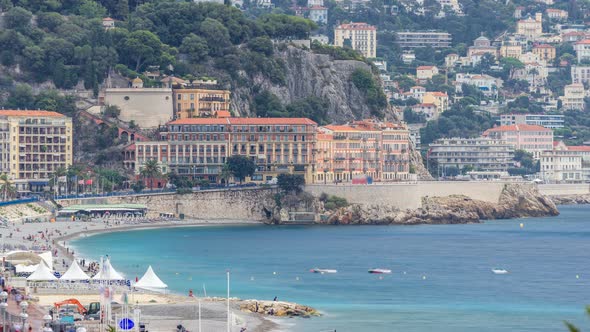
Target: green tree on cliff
{"x": 151, "y": 170}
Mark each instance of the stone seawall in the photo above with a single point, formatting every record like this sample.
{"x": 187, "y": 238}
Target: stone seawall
{"x": 238, "y": 204}
{"x": 410, "y": 195}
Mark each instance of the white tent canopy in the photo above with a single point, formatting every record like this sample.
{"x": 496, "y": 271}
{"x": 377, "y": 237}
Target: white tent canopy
{"x": 107, "y": 272}
{"x": 47, "y": 258}
{"x": 74, "y": 272}
{"x": 42, "y": 273}
{"x": 150, "y": 280}
{"x": 21, "y": 268}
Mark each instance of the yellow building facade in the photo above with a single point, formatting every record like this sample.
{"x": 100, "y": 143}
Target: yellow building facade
{"x": 199, "y": 102}
{"x": 34, "y": 145}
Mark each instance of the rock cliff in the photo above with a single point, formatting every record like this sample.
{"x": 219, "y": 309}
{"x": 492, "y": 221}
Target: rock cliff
{"x": 570, "y": 199}
{"x": 515, "y": 201}
{"x": 308, "y": 74}
{"x": 278, "y": 308}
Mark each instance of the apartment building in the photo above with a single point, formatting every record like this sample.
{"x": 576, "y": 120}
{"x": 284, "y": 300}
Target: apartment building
{"x": 545, "y": 52}
{"x": 482, "y": 154}
{"x": 379, "y": 150}
{"x": 203, "y": 100}
{"x": 198, "y": 147}
{"x": 580, "y": 74}
{"x": 440, "y": 99}
{"x": 424, "y": 73}
{"x": 582, "y": 49}
{"x": 533, "y": 139}
{"x": 546, "y": 120}
{"x": 34, "y": 144}
{"x": 566, "y": 164}
{"x": 482, "y": 45}
{"x": 487, "y": 84}
{"x": 557, "y": 14}
{"x": 530, "y": 27}
{"x": 360, "y": 37}
{"x": 418, "y": 39}
{"x": 573, "y": 97}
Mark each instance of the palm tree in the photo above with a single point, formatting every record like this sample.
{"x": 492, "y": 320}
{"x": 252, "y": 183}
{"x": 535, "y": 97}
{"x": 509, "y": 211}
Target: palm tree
{"x": 226, "y": 174}
{"x": 6, "y": 187}
{"x": 58, "y": 173}
{"x": 150, "y": 170}
{"x": 73, "y": 173}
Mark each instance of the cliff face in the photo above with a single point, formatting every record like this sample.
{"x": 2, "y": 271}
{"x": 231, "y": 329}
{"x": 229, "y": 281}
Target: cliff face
{"x": 516, "y": 201}
{"x": 309, "y": 74}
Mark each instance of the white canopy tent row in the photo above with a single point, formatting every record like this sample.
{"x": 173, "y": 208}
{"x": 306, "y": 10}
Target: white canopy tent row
{"x": 150, "y": 281}
{"x": 74, "y": 273}
{"x": 42, "y": 273}
{"x": 107, "y": 272}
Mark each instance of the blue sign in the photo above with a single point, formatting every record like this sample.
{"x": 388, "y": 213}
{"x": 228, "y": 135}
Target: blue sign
{"x": 126, "y": 324}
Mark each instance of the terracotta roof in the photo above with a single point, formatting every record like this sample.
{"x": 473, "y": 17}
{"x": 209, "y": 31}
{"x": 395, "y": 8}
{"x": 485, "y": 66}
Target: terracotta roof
{"x": 107, "y": 19}
{"x": 579, "y": 148}
{"x": 425, "y": 67}
{"x": 583, "y": 42}
{"x": 271, "y": 121}
{"x": 30, "y": 113}
{"x": 438, "y": 94}
{"x": 341, "y": 128}
{"x": 453, "y": 54}
{"x": 324, "y": 136}
{"x": 356, "y": 26}
{"x": 520, "y": 127}
{"x": 418, "y": 87}
{"x": 223, "y": 114}
{"x": 201, "y": 121}
{"x": 554, "y": 10}
{"x": 543, "y": 46}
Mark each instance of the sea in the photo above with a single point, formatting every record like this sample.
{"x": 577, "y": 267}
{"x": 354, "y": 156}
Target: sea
{"x": 441, "y": 276}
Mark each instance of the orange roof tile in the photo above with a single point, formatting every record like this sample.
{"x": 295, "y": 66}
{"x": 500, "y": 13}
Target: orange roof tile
{"x": 579, "y": 148}
{"x": 340, "y": 128}
{"x": 543, "y": 46}
{"x": 438, "y": 94}
{"x": 520, "y": 127}
{"x": 356, "y": 26}
{"x": 223, "y": 114}
{"x": 271, "y": 121}
{"x": 583, "y": 42}
{"x": 425, "y": 67}
{"x": 201, "y": 121}
{"x": 29, "y": 113}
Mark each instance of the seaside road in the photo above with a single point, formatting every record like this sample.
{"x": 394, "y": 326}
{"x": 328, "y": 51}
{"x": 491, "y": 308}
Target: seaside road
{"x": 35, "y": 313}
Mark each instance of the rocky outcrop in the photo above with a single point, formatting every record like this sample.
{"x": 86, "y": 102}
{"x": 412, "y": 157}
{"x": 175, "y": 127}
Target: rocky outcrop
{"x": 278, "y": 308}
{"x": 570, "y": 199}
{"x": 308, "y": 74}
{"x": 516, "y": 201}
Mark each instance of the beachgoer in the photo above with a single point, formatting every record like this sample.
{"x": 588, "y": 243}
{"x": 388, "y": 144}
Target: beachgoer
{"x": 190, "y": 293}
{"x": 276, "y": 298}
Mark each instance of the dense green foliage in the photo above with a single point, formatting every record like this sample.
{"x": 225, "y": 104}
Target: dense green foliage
{"x": 266, "y": 104}
{"x": 365, "y": 82}
{"x": 457, "y": 122}
{"x": 241, "y": 167}
{"x": 291, "y": 183}
{"x": 526, "y": 164}
{"x": 332, "y": 202}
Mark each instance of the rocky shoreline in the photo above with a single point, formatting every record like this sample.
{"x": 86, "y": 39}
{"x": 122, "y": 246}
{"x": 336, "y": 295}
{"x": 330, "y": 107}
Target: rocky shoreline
{"x": 516, "y": 201}
{"x": 570, "y": 199}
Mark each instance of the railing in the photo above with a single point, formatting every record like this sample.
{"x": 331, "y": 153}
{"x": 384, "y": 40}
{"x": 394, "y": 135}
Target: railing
{"x": 19, "y": 201}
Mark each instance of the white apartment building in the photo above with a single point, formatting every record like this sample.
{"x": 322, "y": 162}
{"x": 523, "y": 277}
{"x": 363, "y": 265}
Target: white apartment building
{"x": 580, "y": 74}
{"x": 582, "y": 49}
{"x": 546, "y": 120}
{"x": 483, "y": 154}
{"x": 566, "y": 164}
{"x": 573, "y": 97}
{"x": 530, "y": 27}
{"x": 487, "y": 84}
{"x": 361, "y": 37}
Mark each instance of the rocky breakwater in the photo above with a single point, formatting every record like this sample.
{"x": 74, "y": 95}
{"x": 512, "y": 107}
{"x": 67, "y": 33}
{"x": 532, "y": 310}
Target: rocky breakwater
{"x": 570, "y": 199}
{"x": 516, "y": 201}
{"x": 278, "y": 308}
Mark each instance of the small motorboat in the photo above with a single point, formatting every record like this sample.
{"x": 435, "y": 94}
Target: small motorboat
{"x": 322, "y": 271}
{"x": 500, "y": 271}
{"x": 380, "y": 271}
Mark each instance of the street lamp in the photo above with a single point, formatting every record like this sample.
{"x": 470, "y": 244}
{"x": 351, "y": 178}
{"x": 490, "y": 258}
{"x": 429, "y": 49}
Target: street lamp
{"x": 47, "y": 319}
{"x": 3, "y": 308}
{"x": 24, "y": 305}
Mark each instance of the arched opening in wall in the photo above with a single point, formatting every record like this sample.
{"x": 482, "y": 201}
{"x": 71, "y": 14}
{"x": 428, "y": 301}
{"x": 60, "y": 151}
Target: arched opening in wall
{"x": 124, "y": 136}
{"x": 132, "y": 137}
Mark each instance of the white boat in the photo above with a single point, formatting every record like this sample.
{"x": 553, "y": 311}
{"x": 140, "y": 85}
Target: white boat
{"x": 322, "y": 271}
{"x": 380, "y": 271}
{"x": 500, "y": 271}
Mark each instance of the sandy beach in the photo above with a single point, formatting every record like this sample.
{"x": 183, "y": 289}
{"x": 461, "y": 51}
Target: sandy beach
{"x": 162, "y": 312}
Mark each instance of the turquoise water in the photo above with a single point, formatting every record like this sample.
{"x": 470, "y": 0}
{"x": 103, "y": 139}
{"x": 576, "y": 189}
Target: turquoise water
{"x": 441, "y": 280}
